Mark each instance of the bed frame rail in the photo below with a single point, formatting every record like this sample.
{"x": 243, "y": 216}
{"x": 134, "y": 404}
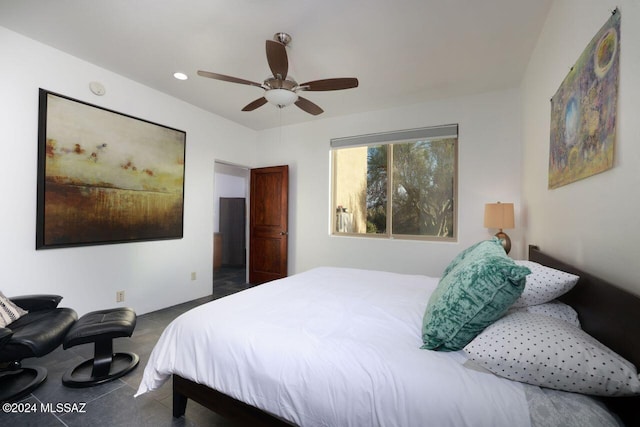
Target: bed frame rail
{"x": 220, "y": 403}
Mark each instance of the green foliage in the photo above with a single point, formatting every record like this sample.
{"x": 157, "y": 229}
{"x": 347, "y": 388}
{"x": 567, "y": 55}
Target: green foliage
{"x": 377, "y": 220}
{"x": 376, "y": 176}
{"x": 422, "y": 192}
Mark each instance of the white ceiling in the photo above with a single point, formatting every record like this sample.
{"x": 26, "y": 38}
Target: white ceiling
{"x": 402, "y": 51}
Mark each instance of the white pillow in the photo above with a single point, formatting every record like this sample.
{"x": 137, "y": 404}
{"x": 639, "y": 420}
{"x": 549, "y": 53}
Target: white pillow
{"x": 544, "y": 284}
{"x": 556, "y": 309}
{"x": 9, "y": 312}
{"x": 548, "y": 352}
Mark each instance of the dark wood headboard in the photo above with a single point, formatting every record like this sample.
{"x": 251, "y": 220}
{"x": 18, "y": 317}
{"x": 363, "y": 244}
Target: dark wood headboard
{"x": 609, "y": 314}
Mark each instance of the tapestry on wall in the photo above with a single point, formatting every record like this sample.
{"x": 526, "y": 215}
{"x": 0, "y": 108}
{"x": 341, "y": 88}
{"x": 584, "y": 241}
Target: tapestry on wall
{"x": 583, "y": 110}
{"x": 105, "y": 177}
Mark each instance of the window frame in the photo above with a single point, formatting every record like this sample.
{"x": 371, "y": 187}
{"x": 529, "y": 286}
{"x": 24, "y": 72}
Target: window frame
{"x": 390, "y": 139}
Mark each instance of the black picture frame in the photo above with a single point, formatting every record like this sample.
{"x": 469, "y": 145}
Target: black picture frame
{"x": 105, "y": 177}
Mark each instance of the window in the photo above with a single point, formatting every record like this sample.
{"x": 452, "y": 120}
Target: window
{"x": 396, "y": 185}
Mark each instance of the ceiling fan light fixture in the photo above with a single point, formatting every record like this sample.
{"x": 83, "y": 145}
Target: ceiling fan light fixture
{"x": 281, "y": 97}
{"x": 280, "y": 89}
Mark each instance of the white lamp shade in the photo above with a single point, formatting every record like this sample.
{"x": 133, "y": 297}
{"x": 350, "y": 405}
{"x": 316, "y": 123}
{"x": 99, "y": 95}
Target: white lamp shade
{"x": 281, "y": 97}
{"x": 499, "y": 215}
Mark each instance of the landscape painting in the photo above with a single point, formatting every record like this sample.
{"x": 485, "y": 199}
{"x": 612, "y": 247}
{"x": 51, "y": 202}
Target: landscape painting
{"x": 105, "y": 177}
{"x": 583, "y": 110}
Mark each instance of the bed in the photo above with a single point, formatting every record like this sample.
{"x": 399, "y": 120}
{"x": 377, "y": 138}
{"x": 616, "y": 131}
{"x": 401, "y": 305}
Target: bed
{"x": 362, "y": 364}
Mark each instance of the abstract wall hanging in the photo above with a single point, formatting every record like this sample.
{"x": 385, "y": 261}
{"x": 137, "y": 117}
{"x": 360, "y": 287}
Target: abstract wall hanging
{"x": 105, "y": 177}
{"x": 583, "y": 110}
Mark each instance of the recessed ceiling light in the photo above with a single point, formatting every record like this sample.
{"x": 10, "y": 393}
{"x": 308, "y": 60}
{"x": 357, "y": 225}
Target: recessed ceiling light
{"x": 180, "y": 76}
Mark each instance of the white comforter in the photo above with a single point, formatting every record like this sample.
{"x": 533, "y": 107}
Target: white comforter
{"x": 333, "y": 347}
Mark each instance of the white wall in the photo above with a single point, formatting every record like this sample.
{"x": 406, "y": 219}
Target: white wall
{"x": 489, "y": 170}
{"x": 153, "y": 274}
{"x": 592, "y": 223}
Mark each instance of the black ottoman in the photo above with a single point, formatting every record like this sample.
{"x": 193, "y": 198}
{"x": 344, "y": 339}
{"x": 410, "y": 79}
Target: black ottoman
{"x": 101, "y": 327}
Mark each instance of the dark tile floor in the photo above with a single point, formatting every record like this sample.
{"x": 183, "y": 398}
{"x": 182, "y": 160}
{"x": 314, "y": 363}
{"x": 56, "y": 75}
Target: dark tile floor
{"x": 112, "y": 404}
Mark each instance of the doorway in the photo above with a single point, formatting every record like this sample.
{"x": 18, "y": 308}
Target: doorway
{"x": 231, "y": 187}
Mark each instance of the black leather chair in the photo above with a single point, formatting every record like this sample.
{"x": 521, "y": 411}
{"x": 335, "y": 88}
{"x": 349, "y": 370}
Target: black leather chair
{"x": 35, "y": 334}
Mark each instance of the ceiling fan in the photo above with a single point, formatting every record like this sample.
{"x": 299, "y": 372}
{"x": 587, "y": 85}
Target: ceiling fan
{"x": 281, "y": 89}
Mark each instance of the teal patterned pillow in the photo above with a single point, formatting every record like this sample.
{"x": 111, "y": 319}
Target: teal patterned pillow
{"x": 474, "y": 293}
{"x": 458, "y": 259}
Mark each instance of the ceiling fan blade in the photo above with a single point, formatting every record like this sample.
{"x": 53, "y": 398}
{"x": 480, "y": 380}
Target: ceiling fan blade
{"x": 227, "y": 78}
{"x": 308, "y": 106}
{"x": 330, "y": 84}
{"x": 255, "y": 104}
{"x": 277, "y": 58}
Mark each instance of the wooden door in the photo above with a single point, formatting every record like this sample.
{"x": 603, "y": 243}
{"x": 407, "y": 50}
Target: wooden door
{"x": 268, "y": 224}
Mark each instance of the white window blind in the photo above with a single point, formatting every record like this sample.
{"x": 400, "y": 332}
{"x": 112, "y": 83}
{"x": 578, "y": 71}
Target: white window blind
{"x": 431, "y": 133}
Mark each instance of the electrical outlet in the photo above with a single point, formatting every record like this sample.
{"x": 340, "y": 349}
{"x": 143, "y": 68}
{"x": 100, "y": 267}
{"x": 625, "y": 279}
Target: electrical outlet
{"x": 193, "y": 275}
{"x": 120, "y": 296}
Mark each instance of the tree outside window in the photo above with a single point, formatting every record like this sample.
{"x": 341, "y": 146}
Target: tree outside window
{"x": 417, "y": 199}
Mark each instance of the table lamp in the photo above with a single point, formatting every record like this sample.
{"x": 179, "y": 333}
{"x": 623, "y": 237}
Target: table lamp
{"x": 500, "y": 216}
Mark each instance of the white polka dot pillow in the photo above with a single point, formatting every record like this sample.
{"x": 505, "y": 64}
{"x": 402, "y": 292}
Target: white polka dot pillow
{"x": 548, "y": 352}
{"x": 544, "y": 284}
{"x": 556, "y": 309}
{"x": 9, "y": 312}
